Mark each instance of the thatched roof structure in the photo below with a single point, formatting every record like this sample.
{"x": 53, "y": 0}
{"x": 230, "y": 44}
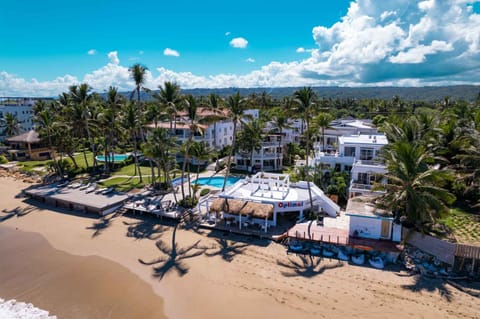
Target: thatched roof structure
{"x": 237, "y": 207}
{"x": 29, "y": 137}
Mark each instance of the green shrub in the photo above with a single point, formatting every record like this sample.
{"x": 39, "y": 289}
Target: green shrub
{"x": 204, "y": 191}
{"x": 188, "y": 202}
{"x": 3, "y": 160}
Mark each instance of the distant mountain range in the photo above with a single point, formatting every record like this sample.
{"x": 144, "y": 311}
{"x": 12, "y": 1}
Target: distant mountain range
{"x": 429, "y": 93}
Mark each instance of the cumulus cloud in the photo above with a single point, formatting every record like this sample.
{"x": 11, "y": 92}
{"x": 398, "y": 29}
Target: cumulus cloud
{"x": 240, "y": 43}
{"x": 170, "y": 52}
{"x": 92, "y": 52}
{"x": 113, "y": 57}
{"x": 384, "y": 43}
{"x": 250, "y": 60}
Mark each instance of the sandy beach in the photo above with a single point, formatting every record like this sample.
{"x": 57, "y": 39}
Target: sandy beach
{"x": 197, "y": 273}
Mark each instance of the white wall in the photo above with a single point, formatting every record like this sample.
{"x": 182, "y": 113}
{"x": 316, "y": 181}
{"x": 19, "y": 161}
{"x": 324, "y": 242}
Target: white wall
{"x": 367, "y": 227}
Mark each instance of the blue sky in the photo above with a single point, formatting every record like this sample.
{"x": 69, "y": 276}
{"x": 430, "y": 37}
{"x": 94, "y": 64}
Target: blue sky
{"x": 51, "y": 44}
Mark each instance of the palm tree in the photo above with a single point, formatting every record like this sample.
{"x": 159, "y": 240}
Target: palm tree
{"x": 131, "y": 124}
{"x": 82, "y": 99}
{"x": 194, "y": 126}
{"x": 215, "y": 103}
{"x": 161, "y": 148}
{"x": 322, "y": 121}
{"x": 48, "y": 126}
{"x": 137, "y": 72}
{"x": 10, "y": 125}
{"x": 235, "y": 106}
{"x": 414, "y": 190}
{"x": 170, "y": 99}
{"x": 280, "y": 122}
{"x": 201, "y": 152}
{"x": 250, "y": 137}
{"x": 304, "y": 98}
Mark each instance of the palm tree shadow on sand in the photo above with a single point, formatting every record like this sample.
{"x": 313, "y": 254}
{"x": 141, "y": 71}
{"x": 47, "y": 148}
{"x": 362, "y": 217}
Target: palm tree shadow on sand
{"x": 430, "y": 285}
{"x": 99, "y": 226}
{"x": 174, "y": 259}
{"x": 227, "y": 249}
{"x": 16, "y": 212}
{"x": 305, "y": 266}
{"x": 145, "y": 229}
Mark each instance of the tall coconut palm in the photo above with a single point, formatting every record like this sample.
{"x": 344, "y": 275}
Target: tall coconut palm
{"x": 250, "y": 137}
{"x": 138, "y": 74}
{"x": 81, "y": 97}
{"x": 235, "y": 106}
{"x": 305, "y": 99}
{"x": 10, "y": 125}
{"x": 170, "y": 99}
{"x": 161, "y": 147}
{"x": 201, "y": 152}
{"x": 322, "y": 122}
{"x": 280, "y": 121}
{"x": 414, "y": 189}
{"x": 48, "y": 127}
{"x": 194, "y": 126}
{"x": 131, "y": 124}
{"x": 215, "y": 103}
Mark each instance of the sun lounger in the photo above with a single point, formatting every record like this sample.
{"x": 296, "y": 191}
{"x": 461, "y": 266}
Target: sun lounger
{"x": 74, "y": 185}
{"x": 100, "y": 190}
{"x": 91, "y": 189}
{"x": 85, "y": 186}
{"x": 108, "y": 190}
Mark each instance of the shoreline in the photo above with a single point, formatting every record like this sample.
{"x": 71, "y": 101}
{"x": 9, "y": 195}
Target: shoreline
{"x": 204, "y": 274}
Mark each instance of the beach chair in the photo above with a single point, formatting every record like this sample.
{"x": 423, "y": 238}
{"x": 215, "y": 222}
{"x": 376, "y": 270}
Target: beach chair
{"x": 85, "y": 186}
{"x": 108, "y": 190}
{"x": 74, "y": 185}
{"x": 91, "y": 189}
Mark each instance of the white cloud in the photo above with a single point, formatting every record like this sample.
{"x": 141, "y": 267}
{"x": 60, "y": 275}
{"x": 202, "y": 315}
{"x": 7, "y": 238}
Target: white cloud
{"x": 227, "y": 33}
{"x": 240, "y": 43}
{"x": 250, "y": 60}
{"x": 92, "y": 52}
{"x": 113, "y": 57}
{"x": 170, "y": 52}
{"x": 384, "y": 43}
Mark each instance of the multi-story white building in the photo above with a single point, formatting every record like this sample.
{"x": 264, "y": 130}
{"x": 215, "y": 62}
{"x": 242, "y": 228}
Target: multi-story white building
{"x": 357, "y": 154}
{"x": 343, "y": 127}
{"x": 20, "y": 107}
{"x": 268, "y": 158}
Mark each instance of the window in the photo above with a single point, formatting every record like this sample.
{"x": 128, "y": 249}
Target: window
{"x": 366, "y": 154}
{"x": 350, "y": 151}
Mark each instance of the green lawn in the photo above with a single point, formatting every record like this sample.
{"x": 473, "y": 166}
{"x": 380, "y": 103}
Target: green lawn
{"x": 130, "y": 169}
{"x": 123, "y": 184}
{"x": 465, "y": 226}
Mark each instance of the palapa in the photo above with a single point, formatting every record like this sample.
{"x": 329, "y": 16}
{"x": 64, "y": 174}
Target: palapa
{"x": 245, "y": 208}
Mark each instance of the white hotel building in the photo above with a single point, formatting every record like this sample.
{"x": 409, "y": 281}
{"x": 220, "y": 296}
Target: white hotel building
{"x": 357, "y": 154}
{"x": 20, "y": 107}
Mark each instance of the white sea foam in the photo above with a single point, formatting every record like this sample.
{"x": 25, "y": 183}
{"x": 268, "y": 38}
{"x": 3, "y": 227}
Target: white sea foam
{"x": 11, "y": 309}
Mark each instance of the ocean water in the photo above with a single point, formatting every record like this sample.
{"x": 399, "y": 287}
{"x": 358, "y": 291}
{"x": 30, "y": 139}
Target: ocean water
{"x": 11, "y": 309}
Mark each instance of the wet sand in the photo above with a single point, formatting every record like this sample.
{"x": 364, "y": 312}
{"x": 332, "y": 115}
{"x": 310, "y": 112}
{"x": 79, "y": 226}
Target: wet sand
{"x": 203, "y": 274}
{"x": 71, "y": 286}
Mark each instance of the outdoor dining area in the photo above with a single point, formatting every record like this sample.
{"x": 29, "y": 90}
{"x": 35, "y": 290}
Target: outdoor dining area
{"x": 152, "y": 204}
{"x": 240, "y": 214}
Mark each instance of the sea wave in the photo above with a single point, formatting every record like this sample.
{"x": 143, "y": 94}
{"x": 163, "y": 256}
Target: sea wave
{"x": 12, "y": 309}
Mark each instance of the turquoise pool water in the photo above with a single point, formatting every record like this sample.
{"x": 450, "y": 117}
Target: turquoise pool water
{"x": 216, "y": 181}
{"x": 116, "y": 157}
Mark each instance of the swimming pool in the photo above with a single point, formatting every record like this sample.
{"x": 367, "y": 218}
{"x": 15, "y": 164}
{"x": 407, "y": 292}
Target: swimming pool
{"x": 117, "y": 158}
{"x": 216, "y": 181}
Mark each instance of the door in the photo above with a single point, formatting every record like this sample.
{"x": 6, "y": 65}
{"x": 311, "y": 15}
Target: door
{"x": 385, "y": 231}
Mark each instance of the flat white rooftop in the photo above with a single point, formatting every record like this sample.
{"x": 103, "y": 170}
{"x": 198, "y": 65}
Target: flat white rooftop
{"x": 378, "y": 139}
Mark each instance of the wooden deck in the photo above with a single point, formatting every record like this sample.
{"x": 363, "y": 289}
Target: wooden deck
{"x": 314, "y": 233}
